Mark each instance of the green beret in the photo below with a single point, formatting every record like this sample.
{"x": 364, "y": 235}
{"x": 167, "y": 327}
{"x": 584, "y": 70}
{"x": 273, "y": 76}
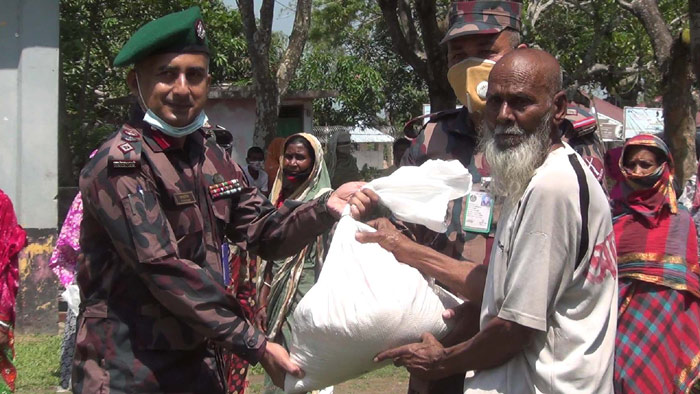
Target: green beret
{"x": 179, "y": 32}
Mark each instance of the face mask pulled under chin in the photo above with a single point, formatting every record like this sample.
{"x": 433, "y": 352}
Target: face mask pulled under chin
{"x": 177, "y": 132}
{"x": 469, "y": 80}
{"x": 156, "y": 122}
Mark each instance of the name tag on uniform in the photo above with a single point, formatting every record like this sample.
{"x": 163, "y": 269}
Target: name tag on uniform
{"x": 478, "y": 212}
{"x": 185, "y": 198}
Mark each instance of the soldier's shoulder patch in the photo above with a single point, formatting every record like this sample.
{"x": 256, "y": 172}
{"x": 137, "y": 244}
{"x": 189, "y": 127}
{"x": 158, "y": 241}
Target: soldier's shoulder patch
{"x": 125, "y": 149}
{"x": 415, "y": 126}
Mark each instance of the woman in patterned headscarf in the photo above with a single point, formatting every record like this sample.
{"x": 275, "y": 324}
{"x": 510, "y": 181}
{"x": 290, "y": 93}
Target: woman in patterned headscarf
{"x": 302, "y": 176}
{"x": 657, "y": 345}
{"x": 12, "y": 240}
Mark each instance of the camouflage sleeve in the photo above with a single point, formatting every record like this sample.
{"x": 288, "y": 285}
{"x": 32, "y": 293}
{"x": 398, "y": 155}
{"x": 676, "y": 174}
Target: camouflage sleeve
{"x": 277, "y": 233}
{"x": 414, "y": 155}
{"x": 128, "y": 208}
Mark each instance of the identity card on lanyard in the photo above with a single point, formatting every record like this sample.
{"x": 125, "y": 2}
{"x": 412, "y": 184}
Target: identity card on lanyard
{"x": 478, "y": 212}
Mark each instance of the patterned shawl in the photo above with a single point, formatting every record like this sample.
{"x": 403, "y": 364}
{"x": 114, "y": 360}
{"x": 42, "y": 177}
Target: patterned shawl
{"x": 286, "y": 280}
{"x": 12, "y": 240}
{"x": 656, "y": 241}
{"x": 65, "y": 253}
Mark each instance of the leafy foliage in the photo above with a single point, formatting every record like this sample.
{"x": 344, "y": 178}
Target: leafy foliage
{"x": 599, "y": 35}
{"x": 350, "y": 52}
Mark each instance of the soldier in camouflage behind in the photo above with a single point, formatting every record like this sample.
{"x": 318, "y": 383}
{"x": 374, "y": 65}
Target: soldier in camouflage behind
{"x": 159, "y": 196}
{"x": 480, "y": 33}
{"x": 579, "y": 130}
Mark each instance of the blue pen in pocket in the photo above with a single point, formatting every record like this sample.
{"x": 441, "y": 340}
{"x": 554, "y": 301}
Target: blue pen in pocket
{"x": 225, "y": 263}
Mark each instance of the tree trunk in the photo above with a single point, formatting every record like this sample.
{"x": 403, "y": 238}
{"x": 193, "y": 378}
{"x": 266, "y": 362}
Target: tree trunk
{"x": 648, "y": 13}
{"x": 297, "y": 39}
{"x": 439, "y": 99}
{"x": 441, "y": 95}
{"x": 267, "y": 104}
{"x": 694, "y": 10}
{"x": 268, "y": 89}
{"x": 679, "y": 111}
{"x": 430, "y": 62}
{"x": 673, "y": 61}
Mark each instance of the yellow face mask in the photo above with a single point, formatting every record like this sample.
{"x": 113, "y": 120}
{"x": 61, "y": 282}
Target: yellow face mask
{"x": 469, "y": 80}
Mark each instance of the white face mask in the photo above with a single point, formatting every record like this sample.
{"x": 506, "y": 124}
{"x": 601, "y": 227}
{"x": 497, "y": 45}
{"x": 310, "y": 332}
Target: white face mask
{"x": 177, "y": 132}
{"x": 258, "y": 165}
{"x": 152, "y": 119}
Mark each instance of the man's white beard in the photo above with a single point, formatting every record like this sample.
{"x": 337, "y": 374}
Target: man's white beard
{"x": 513, "y": 167}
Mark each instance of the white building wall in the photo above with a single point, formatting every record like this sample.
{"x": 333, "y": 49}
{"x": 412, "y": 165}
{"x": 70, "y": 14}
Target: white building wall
{"x": 29, "y": 109}
{"x": 238, "y": 117}
{"x": 373, "y": 158}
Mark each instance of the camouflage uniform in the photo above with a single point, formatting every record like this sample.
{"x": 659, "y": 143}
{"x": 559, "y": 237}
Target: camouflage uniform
{"x": 579, "y": 131}
{"x": 451, "y": 135}
{"x": 482, "y": 17}
{"x": 154, "y": 309}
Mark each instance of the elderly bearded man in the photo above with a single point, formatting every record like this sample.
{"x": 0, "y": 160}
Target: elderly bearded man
{"x": 549, "y": 298}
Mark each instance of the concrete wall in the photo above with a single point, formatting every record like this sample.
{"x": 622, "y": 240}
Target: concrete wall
{"x": 28, "y": 146}
{"x": 29, "y": 108}
{"x": 238, "y": 117}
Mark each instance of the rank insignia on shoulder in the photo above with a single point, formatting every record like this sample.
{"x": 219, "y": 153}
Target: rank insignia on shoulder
{"x": 131, "y": 133}
{"x": 123, "y": 164}
{"x": 125, "y": 147}
{"x": 224, "y": 189}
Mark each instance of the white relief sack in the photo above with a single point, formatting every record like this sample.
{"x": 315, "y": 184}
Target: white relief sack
{"x": 365, "y": 301}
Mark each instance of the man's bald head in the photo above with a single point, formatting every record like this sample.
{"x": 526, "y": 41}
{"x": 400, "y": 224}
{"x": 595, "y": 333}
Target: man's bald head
{"x": 541, "y": 67}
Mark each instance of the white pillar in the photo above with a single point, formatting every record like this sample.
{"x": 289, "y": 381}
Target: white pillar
{"x": 29, "y": 109}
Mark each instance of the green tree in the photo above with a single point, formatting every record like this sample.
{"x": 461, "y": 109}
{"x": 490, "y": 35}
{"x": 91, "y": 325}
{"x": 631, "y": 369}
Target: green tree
{"x": 91, "y": 34}
{"x": 350, "y": 52}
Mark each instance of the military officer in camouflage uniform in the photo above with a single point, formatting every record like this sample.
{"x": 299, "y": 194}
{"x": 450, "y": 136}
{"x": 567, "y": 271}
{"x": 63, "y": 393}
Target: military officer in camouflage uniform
{"x": 159, "y": 196}
{"x": 480, "y": 33}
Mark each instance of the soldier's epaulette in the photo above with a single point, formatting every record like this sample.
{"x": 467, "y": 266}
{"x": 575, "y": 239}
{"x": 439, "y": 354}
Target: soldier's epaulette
{"x": 125, "y": 150}
{"x": 412, "y": 128}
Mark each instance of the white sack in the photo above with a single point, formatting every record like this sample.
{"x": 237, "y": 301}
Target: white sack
{"x": 72, "y": 297}
{"x": 420, "y": 194}
{"x": 365, "y": 301}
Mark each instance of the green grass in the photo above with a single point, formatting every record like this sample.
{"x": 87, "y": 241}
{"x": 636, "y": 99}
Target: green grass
{"x": 360, "y": 384}
{"x": 38, "y": 362}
